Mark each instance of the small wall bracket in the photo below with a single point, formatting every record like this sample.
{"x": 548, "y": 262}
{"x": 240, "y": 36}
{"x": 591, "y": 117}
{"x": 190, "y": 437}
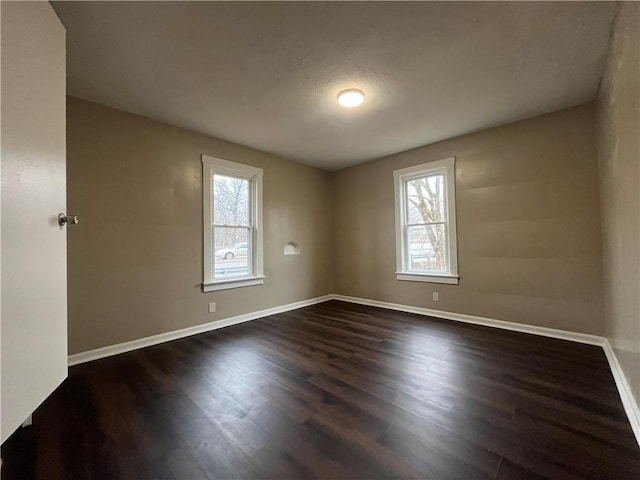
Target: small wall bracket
{"x": 292, "y": 248}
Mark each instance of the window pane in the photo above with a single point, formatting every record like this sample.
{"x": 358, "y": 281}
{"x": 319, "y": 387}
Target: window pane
{"x": 230, "y": 200}
{"x": 425, "y": 199}
{"x": 232, "y": 255}
{"x": 427, "y": 248}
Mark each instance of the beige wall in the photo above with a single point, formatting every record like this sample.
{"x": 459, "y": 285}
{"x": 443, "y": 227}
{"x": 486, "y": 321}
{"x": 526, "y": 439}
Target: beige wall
{"x": 528, "y": 227}
{"x": 619, "y": 160}
{"x": 135, "y": 259}
{"x": 529, "y": 239}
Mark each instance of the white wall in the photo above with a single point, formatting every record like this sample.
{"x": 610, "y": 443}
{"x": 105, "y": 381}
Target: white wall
{"x": 619, "y": 169}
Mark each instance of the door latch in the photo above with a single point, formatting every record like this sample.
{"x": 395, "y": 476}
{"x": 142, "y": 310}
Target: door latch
{"x": 71, "y": 219}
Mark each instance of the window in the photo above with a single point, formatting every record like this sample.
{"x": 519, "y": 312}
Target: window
{"x": 232, "y": 206}
{"x": 426, "y": 223}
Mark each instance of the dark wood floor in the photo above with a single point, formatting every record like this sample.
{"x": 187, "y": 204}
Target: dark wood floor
{"x": 335, "y": 391}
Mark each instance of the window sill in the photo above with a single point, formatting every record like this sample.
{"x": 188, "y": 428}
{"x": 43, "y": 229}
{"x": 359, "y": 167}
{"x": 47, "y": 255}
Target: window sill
{"x": 421, "y": 277}
{"x": 232, "y": 283}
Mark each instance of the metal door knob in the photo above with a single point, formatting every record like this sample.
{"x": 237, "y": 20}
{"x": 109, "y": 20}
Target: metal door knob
{"x": 71, "y": 219}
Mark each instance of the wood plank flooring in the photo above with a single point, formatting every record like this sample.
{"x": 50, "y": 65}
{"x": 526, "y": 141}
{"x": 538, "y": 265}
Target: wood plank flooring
{"x": 335, "y": 391}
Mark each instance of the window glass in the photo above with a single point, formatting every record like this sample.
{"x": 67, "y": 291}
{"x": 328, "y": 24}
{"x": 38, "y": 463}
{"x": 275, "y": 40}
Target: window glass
{"x": 231, "y": 229}
{"x": 230, "y": 200}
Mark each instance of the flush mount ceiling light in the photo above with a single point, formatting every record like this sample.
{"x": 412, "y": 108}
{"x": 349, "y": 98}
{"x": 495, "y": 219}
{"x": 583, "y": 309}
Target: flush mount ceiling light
{"x": 351, "y": 98}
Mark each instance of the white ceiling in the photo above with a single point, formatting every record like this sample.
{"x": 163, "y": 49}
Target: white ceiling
{"x": 266, "y": 74}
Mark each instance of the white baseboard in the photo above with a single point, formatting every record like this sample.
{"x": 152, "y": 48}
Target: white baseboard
{"x": 116, "y": 349}
{"x": 28, "y": 421}
{"x": 628, "y": 400}
{"x": 630, "y": 406}
{"x": 110, "y": 350}
{"x": 487, "y": 322}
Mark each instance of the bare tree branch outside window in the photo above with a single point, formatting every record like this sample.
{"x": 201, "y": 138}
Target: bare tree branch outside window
{"x": 426, "y": 223}
{"x": 231, "y": 209}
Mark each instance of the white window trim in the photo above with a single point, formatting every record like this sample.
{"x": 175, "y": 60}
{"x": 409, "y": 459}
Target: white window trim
{"x": 211, "y": 165}
{"x": 446, "y": 166}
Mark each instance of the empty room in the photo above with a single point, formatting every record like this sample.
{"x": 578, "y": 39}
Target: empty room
{"x": 320, "y": 240}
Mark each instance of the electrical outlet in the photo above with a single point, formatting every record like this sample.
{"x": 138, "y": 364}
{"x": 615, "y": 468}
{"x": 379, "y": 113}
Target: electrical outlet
{"x": 212, "y": 307}
{"x": 436, "y": 296}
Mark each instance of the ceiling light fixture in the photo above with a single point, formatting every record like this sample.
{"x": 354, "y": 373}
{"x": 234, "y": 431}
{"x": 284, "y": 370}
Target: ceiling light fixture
{"x": 351, "y": 98}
